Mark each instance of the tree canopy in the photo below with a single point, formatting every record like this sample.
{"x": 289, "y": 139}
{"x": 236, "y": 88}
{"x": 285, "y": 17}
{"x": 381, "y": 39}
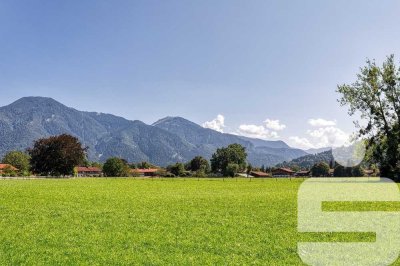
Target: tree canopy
{"x": 18, "y": 159}
{"x": 199, "y": 163}
{"x": 357, "y": 171}
{"x": 116, "y": 167}
{"x": 178, "y": 169}
{"x": 320, "y": 169}
{"x": 56, "y": 155}
{"x": 232, "y": 169}
{"x": 375, "y": 96}
{"x": 233, "y": 154}
{"x": 340, "y": 171}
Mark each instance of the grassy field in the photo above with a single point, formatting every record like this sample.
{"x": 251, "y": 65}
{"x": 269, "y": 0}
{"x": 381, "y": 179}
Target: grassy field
{"x": 152, "y": 222}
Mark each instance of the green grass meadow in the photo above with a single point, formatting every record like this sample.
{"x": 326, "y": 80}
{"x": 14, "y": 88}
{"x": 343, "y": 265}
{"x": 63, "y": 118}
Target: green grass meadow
{"x": 176, "y": 221}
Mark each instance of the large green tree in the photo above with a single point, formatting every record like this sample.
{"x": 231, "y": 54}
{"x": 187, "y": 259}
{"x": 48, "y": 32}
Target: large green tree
{"x": 56, "y": 155}
{"x": 233, "y": 154}
{"x": 357, "y": 171}
{"x": 375, "y": 96}
{"x": 340, "y": 171}
{"x": 18, "y": 159}
{"x": 199, "y": 163}
{"x": 320, "y": 169}
{"x": 232, "y": 169}
{"x": 116, "y": 167}
{"x": 178, "y": 169}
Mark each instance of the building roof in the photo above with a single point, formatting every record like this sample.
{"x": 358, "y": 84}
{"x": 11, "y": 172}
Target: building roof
{"x": 88, "y": 169}
{"x": 287, "y": 170}
{"x": 303, "y": 172}
{"x": 258, "y": 174}
{"x": 142, "y": 171}
{"x": 5, "y": 165}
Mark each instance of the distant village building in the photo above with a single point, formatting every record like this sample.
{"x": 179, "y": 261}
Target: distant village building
{"x": 83, "y": 171}
{"x": 6, "y": 167}
{"x": 145, "y": 172}
{"x": 259, "y": 174}
{"x": 283, "y": 172}
{"x": 303, "y": 173}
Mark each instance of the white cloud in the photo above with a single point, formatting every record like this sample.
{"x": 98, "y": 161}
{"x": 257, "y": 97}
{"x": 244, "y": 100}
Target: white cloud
{"x": 324, "y": 134}
{"x": 301, "y": 143}
{"x": 321, "y": 138}
{"x": 274, "y": 125}
{"x": 216, "y": 124}
{"x": 329, "y": 137}
{"x": 319, "y": 122}
{"x": 266, "y": 131}
{"x": 254, "y": 131}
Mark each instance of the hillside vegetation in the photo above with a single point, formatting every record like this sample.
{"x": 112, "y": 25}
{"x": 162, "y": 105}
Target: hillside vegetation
{"x": 307, "y": 161}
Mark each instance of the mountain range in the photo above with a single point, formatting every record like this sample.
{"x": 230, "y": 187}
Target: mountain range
{"x": 168, "y": 140}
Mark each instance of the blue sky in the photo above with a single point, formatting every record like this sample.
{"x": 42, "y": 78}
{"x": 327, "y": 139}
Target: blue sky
{"x": 247, "y": 61}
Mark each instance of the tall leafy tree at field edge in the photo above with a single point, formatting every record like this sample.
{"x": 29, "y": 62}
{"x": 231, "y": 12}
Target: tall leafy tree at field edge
{"x": 320, "y": 169}
{"x": 178, "y": 169}
{"x": 375, "y": 96}
{"x": 116, "y": 167}
{"x": 199, "y": 163}
{"x": 56, "y": 155}
{"x": 233, "y": 154}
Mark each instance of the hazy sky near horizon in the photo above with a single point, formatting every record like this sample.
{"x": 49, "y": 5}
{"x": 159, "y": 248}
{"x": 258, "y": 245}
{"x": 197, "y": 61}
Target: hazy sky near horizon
{"x": 236, "y": 66}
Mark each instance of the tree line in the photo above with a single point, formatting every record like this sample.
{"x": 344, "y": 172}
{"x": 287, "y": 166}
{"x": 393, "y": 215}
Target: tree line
{"x": 52, "y": 156}
{"x": 226, "y": 161}
{"x": 322, "y": 169}
{"x": 60, "y": 155}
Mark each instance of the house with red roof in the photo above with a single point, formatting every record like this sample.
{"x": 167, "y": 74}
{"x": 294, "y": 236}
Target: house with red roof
{"x": 303, "y": 173}
{"x": 144, "y": 172}
{"x": 283, "y": 172}
{"x": 259, "y": 174}
{"x": 83, "y": 171}
{"x": 6, "y": 168}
